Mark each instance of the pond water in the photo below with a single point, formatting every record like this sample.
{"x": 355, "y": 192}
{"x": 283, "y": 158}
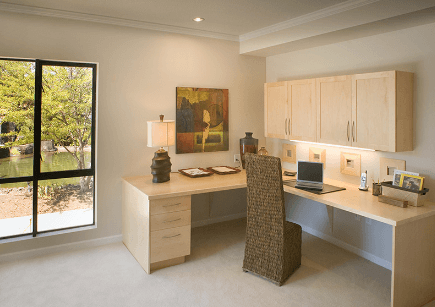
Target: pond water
{"x": 22, "y": 165}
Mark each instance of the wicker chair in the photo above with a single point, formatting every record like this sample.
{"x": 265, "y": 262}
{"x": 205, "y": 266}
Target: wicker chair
{"x": 273, "y": 245}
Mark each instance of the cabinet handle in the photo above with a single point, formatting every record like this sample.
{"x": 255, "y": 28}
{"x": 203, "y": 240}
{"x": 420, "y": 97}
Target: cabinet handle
{"x": 285, "y": 126}
{"x": 172, "y": 205}
{"x": 168, "y": 237}
{"x": 353, "y": 132}
{"x": 172, "y": 220}
{"x": 348, "y": 124}
{"x": 289, "y": 126}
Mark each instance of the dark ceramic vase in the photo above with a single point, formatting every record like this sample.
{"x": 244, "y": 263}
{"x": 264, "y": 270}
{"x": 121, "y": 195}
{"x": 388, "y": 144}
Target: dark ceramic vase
{"x": 161, "y": 166}
{"x": 247, "y": 144}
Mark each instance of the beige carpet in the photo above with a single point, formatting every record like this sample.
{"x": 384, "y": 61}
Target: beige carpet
{"x": 212, "y": 276}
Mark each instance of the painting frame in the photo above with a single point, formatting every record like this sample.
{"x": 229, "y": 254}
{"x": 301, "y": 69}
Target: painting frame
{"x": 318, "y": 155}
{"x": 289, "y": 153}
{"x": 202, "y": 120}
{"x": 350, "y": 164}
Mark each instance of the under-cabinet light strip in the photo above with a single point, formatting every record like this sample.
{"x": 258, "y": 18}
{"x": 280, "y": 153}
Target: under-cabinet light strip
{"x": 340, "y": 146}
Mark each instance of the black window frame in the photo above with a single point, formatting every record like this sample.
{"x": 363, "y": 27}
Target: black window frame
{"x": 37, "y": 174}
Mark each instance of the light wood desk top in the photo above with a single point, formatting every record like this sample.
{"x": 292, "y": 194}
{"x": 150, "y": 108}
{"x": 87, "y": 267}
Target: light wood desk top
{"x": 351, "y": 200}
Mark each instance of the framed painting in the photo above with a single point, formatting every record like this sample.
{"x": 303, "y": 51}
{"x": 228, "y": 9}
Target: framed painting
{"x": 201, "y": 120}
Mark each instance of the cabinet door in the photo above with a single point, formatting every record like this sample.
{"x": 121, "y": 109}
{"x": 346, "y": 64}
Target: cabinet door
{"x": 302, "y": 110}
{"x": 275, "y": 110}
{"x": 334, "y": 110}
{"x": 374, "y": 110}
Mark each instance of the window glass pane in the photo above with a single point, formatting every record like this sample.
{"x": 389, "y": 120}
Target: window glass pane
{"x": 16, "y": 206}
{"x": 17, "y": 95}
{"x": 66, "y": 115}
{"x": 64, "y": 203}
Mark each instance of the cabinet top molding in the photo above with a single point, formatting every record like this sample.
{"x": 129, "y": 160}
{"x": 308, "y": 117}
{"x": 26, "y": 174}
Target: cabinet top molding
{"x": 277, "y": 83}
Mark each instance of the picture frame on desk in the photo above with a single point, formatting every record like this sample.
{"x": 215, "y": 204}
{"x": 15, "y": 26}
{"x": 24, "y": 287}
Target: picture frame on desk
{"x": 397, "y": 176}
{"x": 411, "y": 182}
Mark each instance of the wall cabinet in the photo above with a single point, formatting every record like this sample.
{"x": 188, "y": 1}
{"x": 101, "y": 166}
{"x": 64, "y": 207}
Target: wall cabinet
{"x": 275, "y": 110}
{"x": 372, "y": 111}
{"x": 334, "y": 110}
{"x": 382, "y": 111}
{"x": 301, "y": 110}
{"x": 290, "y": 110}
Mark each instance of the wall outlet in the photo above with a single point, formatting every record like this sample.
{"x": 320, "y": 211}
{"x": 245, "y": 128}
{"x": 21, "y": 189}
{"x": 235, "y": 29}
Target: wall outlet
{"x": 237, "y": 158}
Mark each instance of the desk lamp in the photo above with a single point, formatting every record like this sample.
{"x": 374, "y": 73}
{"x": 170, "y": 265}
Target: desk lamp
{"x": 161, "y": 133}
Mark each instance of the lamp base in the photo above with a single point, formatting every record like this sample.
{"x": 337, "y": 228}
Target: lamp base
{"x": 161, "y": 166}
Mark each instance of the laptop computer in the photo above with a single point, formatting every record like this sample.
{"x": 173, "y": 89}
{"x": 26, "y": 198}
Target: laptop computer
{"x": 310, "y": 175}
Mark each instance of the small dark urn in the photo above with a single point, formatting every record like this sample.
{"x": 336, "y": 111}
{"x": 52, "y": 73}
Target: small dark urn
{"x": 247, "y": 144}
{"x": 161, "y": 166}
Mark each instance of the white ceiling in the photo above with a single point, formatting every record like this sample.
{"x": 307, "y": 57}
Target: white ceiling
{"x": 263, "y": 27}
{"x": 234, "y": 17}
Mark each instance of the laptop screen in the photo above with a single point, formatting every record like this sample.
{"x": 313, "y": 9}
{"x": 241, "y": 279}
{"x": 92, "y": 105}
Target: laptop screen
{"x": 310, "y": 171}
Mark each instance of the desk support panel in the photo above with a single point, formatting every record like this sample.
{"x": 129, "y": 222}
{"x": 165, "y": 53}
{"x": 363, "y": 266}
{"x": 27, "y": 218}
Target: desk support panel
{"x": 413, "y": 271}
{"x": 331, "y": 217}
{"x": 136, "y": 224}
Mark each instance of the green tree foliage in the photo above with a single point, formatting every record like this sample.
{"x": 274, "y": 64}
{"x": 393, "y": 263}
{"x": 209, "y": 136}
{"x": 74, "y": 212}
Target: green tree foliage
{"x": 17, "y": 92}
{"x": 66, "y": 109}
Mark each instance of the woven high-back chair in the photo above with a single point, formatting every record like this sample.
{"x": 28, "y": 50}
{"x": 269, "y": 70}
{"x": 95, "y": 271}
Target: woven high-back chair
{"x": 273, "y": 245}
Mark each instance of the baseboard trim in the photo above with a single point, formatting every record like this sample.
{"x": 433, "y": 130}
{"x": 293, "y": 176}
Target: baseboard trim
{"x": 118, "y": 238}
{"x": 366, "y": 255}
{"x": 59, "y": 248}
{"x": 218, "y": 219}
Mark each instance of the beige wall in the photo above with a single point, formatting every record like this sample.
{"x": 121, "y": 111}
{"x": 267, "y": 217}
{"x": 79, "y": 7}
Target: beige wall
{"x": 138, "y": 73}
{"x": 408, "y": 50}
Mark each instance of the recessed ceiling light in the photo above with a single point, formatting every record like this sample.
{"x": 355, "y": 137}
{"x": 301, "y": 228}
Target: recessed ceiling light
{"x": 198, "y": 19}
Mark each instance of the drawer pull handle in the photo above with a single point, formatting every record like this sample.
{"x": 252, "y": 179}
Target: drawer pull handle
{"x": 168, "y": 237}
{"x": 172, "y": 205}
{"x": 172, "y": 220}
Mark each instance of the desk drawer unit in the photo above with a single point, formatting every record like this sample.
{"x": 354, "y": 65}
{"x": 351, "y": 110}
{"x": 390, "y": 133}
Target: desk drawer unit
{"x": 170, "y": 243}
{"x": 169, "y": 230}
{"x": 170, "y": 220}
{"x": 170, "y": 204}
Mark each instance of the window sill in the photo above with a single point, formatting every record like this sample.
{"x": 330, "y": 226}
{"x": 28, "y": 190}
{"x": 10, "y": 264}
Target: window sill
{"x": 48, "y": 234}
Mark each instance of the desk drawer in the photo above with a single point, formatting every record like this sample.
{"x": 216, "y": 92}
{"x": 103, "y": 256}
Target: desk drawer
{"x": 170, "y": 204}
{"x": 170, "y": 243}
{"x": 170, "y": 220}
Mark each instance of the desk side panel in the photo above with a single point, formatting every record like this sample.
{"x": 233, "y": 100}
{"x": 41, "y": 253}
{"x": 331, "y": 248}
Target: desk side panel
{"x": 413, "y": 274}
{"x": 136, "y": 224}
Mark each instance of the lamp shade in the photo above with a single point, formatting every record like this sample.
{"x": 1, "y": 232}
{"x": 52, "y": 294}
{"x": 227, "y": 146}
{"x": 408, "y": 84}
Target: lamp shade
{"x": 161, "y": 133}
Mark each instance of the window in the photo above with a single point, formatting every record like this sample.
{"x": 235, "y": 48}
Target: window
{"x": 47, "y": 146}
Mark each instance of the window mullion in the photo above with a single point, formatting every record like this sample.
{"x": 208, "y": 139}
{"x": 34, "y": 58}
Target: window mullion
{"x": 37, "y": 143}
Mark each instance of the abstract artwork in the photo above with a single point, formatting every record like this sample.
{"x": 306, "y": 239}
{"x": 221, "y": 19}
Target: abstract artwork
{"x": 201, "y": 120}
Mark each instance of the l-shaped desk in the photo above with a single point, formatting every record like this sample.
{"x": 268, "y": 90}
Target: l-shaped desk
{"x": 156, "y": 226}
